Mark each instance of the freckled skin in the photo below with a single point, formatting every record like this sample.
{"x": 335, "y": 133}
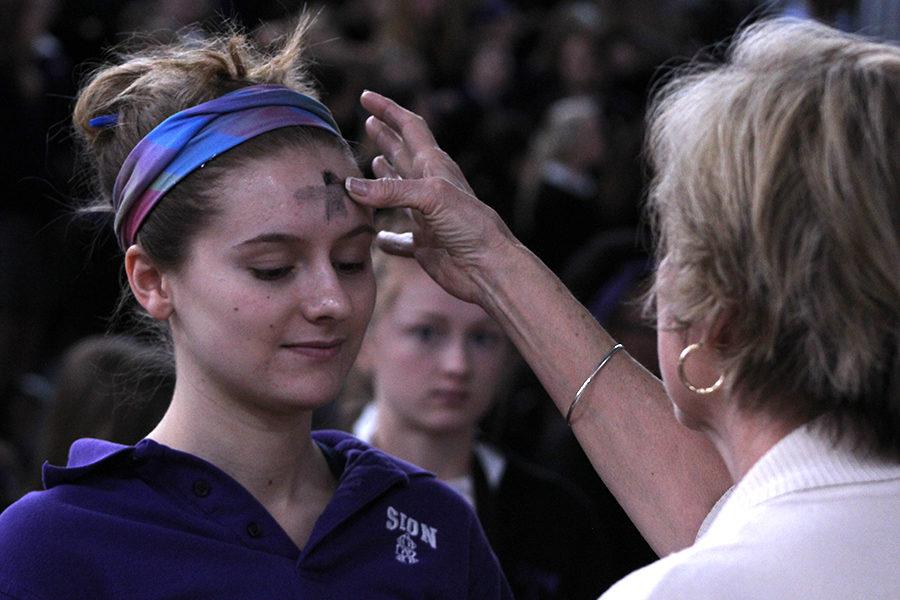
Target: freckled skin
{"x": 244, "y": 356}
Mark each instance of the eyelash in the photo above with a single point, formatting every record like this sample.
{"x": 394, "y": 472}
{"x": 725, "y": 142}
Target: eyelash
{"x": 349, "y": 268}
{"x": 428, "y": 334}
{"x": 342, "y": 268}
{"x": 271, "y": 274}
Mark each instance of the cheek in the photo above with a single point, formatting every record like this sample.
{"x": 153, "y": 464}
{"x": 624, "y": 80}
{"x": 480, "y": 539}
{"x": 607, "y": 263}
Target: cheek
{"x": 401, "y": 372}
{"x": 222, "y": 304}
{"x": 393, "y": 356}
{"x": 490, "y": 366}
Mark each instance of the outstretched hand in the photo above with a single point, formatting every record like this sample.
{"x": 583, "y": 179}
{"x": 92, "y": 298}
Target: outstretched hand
{"x": 456, "y": 235}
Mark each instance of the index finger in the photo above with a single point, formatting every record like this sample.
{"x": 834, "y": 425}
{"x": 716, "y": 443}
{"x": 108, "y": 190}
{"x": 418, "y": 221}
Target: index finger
{"x": 408, "y": 125}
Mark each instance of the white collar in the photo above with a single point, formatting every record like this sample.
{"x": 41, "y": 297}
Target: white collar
{"x": 492, "y": 461}
{"x": 802, "y": 460}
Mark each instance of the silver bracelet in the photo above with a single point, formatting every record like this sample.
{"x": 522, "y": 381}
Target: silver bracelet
{"x": 587, "y": 381}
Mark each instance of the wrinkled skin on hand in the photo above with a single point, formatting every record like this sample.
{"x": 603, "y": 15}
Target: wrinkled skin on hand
{"x": 456, "y": 235}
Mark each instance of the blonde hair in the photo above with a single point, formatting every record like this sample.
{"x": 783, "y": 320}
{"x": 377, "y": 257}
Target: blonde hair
{"x": 556, "y": 140}
{"x": 777, "y": 207}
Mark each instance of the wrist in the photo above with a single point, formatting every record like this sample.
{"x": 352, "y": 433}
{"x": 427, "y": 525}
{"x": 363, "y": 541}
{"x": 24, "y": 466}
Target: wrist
{"x": 502, "y": 269}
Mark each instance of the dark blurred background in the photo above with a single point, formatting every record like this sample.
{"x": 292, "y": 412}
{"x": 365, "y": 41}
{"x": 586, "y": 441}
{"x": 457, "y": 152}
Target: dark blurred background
{"x": 541, "y": 103}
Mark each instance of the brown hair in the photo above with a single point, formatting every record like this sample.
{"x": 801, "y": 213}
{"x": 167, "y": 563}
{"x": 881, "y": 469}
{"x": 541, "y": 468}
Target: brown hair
{"x": 153, "y": 83}
{"x": 775, "y": 200}
{"x": 113, "y": 388}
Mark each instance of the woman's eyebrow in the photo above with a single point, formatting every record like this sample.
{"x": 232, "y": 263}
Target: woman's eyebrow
{"x": 427, "y": 314}
{"x": 287, "y": 238}
{"x": 359, "y": 230}
{"x": 269, "y": 238}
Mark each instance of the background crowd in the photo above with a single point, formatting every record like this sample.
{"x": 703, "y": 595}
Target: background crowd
{"x": 541, "y": 103}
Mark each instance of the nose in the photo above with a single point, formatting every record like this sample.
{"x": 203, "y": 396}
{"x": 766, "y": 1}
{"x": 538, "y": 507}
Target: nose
{"x": 324, "y": 298}
{"x": 455, "y": 358}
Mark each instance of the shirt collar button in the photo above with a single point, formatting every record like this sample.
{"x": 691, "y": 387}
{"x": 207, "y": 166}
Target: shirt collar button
{"x": 253, "y": 529}
{"x": 202, "y": 488}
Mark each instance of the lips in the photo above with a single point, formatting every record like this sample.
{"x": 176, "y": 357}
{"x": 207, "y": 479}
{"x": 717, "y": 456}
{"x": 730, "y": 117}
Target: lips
{"x": 316, "y": 349}
{"x": 451, "y": 396}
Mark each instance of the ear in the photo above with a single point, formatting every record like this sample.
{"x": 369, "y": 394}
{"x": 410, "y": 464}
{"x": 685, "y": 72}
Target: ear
{"x": 148, "y": 283}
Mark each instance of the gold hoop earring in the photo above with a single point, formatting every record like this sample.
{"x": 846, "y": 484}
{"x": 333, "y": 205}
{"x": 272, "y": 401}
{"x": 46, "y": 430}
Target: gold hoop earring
{"x": 681, "y": 375}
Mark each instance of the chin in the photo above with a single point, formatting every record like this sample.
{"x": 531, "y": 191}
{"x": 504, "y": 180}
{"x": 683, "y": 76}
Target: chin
{"x": 304, "y": 398}
{"x": 446, "y": 425}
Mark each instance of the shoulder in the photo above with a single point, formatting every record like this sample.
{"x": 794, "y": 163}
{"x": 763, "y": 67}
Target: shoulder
{"x": 358, "y": 457}
{"x": 790, "y": 548}
{"x": 396, "y": 483}
{"x": 695, "y": 572}
{"x": 33, "y": 519}
{"x": 412, "y": 518}
{"x": 39, "y": 535}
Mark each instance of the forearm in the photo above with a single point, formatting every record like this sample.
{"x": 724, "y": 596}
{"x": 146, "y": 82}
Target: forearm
{"x": 665, "y": 476}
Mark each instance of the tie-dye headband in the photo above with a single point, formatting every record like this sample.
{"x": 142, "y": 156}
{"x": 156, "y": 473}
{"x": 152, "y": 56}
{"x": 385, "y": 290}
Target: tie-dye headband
{"x": 192, "y": 137}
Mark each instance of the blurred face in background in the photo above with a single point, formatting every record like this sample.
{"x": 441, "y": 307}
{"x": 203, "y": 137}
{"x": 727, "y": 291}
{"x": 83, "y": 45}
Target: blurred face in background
{"x": 436, "y": 361}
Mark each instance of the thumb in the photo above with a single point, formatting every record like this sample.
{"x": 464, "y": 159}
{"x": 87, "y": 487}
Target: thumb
{"x": 398, "y": 244}
{"x": 389, "y": 192}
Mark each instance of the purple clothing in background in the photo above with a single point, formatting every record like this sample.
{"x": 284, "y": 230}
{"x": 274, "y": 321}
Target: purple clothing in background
{"x": 147, "y": 521}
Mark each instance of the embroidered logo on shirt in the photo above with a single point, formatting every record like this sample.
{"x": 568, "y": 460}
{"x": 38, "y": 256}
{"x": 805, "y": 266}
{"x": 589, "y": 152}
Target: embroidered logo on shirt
{"x": 405, "y": 549}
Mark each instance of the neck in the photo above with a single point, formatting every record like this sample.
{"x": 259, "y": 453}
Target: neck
{"x": 447, "y": 454}
{"x": 742, "y": 438}
{"x": 270, "y": 453}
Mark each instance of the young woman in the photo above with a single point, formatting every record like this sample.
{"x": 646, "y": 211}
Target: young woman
{"x": 433, "y": 365}
{"x": 224, "y": 174}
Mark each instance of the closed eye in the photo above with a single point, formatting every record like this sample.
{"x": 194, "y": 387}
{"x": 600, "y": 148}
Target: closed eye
{"x": 271, "y": 274}
{"x": 350, "y": 268}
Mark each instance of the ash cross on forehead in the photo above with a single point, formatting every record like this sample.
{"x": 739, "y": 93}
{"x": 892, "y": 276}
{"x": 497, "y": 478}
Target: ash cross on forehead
{"x": 333, "y": 195}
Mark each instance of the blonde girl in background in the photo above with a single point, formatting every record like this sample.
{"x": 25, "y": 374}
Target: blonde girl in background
{"x": 432, "y": 366}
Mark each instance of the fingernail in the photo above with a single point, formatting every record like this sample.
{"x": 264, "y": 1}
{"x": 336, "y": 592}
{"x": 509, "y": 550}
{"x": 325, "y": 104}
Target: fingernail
{"x": 357, "y": 186}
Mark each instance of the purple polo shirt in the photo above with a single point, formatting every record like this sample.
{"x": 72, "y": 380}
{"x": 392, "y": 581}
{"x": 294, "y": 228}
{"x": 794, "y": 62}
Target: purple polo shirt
{"x": 147, "y": 521}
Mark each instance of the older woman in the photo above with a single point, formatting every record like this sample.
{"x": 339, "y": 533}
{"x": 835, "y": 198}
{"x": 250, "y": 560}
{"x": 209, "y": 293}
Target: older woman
{"x": 776, "y": 203}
